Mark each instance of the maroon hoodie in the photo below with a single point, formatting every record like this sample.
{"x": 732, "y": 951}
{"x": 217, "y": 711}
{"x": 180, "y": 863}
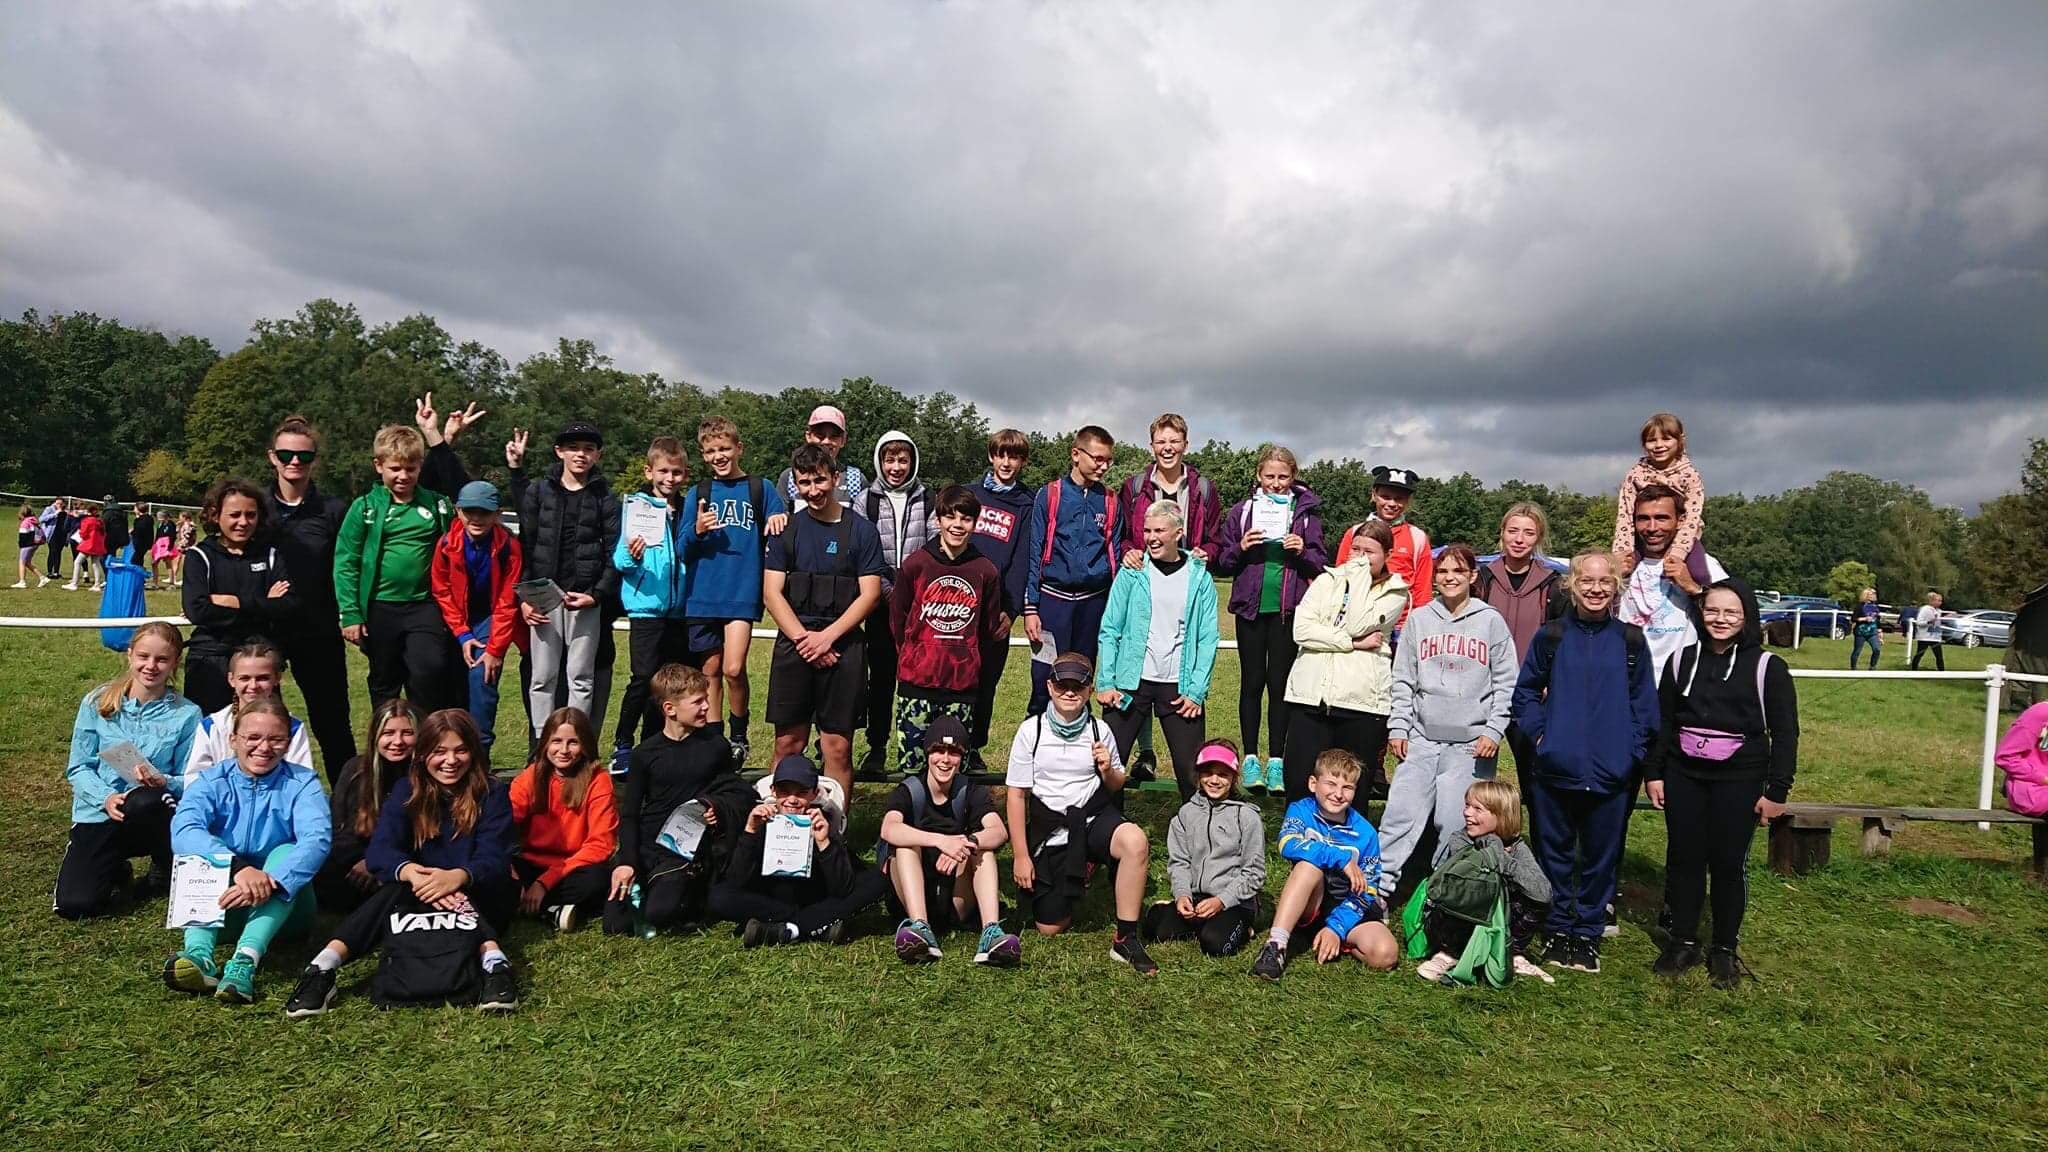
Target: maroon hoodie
{"x": 943, "y": 612}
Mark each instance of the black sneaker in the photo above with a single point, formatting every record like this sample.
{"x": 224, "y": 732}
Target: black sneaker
{"x": 314, "y": 995}
{"x": 1131, "y": 950}
{"x": 1613, "y": 926}
{"x": 738, "y": 753}
{"x": 501, "y": 992}
{"x": 1558, "y": 951}
{"x": 763, "y": 934}
{"x": 1585, "y": 956}
{"x": 153, "y": 884}
{"x": 871, "y": 766}
{"x": 1144, "y": 766}
{"x": 976, "y": 766}
{"x": 1272, "y": 962}
{"x": 834, "y": 933}
{"x": 1725, "y": 969}
{"x": 1676, "y": 957}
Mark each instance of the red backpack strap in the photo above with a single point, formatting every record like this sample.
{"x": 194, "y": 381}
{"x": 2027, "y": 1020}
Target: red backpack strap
{"x": 1052, "y": 518}
{"x": 1109, "y": 526}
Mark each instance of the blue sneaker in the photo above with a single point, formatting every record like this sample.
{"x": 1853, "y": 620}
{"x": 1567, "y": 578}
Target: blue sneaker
{"x": 997, "y": 948}
{"x": 915, "y": 942}
{"x": 1251, "y": 776}
{"x": 191, "y": 972}
{"x": 1276, "y": 776}
{"x": 237, "y": 981}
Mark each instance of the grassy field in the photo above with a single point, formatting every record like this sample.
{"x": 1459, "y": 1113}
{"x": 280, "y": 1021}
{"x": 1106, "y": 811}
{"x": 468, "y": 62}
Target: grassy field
{"x": 1899, "y": 1002}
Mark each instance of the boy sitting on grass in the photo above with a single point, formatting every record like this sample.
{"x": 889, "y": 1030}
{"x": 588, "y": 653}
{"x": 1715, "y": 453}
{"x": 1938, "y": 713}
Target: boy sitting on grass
{"x": 784, "y": 908}
{"x": 942, "y": 834}
{"x": 1335, "y": 880}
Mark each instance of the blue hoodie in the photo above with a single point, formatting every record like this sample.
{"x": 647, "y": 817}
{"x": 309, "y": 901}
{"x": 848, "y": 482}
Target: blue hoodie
{"x": 652, "y": 586}
{"x": 722, "y": 580}
{"x": 1589, "y": 714}
{"x": 162, "y": 729}
{"x": 1080, "y": 560}
{"x": 228, "y": 812}
{"x": 486, "y": 851}
{"x": 999, "y": 535}
{"x": 1307, "y": 835}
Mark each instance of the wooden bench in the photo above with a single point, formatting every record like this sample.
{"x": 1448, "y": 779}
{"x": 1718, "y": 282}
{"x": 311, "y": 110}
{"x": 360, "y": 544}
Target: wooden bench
{"x": 1800, "y": 840}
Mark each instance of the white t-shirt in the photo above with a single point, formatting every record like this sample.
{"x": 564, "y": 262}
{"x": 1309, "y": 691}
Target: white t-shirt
{"x": 1061, "y": 773}
{"x": 1927, "y": 624}
{"x": 1169, "y": 623}
{"x": 1650, "y": 601}
{"x": 210, "y": 744}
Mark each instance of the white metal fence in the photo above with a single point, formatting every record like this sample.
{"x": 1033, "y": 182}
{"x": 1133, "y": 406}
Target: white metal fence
{"x": 1994, "y": 677}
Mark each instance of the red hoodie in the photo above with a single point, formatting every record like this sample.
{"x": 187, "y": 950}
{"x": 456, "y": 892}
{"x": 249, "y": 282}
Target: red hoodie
{"x": 451, "y": 588}
{"x": 943, "y": 612}
{"x": 562, "y": 839}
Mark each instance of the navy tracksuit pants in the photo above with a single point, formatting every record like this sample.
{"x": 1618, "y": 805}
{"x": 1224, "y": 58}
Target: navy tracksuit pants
{"x": 1075, "y": 625}
{"x": 1578, "y": 838}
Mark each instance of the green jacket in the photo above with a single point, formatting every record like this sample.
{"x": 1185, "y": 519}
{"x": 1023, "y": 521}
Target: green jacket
{"x": 1127, "y": 625}
{"x": 359, "y": 547}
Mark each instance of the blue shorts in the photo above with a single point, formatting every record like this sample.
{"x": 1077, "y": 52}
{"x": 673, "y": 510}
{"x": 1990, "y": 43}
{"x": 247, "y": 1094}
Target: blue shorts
{"x": 705, "y": 636}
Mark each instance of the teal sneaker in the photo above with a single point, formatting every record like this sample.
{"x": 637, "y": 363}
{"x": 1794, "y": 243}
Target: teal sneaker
{"x": 997, "y": 948}
{"x": 191, "y": 972}
{"x": 1276, "y": 776}
{"x": 1251, "y": 776}
{"x": 237, "y": 981}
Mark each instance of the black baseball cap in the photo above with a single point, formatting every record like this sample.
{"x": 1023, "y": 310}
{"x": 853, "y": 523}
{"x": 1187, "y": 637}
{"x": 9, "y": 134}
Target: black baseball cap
{"x": 1401, "y": 478}
{"x": 1073, "y": 669}
{"x": 797, "y": 769}
{"x": 946, "y": 732}
{"x": 576, "y": 430}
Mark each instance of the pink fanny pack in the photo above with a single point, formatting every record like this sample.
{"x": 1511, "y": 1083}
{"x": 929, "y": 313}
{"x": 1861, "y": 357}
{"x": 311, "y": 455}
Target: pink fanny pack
{"x": 1709, "y": 743}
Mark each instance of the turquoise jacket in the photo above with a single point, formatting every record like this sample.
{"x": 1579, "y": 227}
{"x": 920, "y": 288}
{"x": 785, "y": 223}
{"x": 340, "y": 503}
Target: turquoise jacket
{"x": 1127, "y": 624}
{"x": 652, "y": 586}
{"x": 227, "y": 812}
{"x": 161, "y": 729}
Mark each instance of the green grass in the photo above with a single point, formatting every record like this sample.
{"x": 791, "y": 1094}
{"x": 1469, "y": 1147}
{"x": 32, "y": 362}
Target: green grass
{"x": 1869, "y": 1024}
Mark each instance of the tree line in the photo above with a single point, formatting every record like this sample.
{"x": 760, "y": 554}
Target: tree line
{"x": 101, "y": 407}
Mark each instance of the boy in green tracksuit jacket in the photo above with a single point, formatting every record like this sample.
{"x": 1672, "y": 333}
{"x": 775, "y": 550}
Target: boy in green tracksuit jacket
{"x": 383, "y": 571}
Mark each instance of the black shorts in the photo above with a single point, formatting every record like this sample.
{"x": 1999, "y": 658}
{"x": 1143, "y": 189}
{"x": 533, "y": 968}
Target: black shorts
{"x": 1052, "y": 899}
{"x": 706, "y": 638}
{"x": 802, "y": 693}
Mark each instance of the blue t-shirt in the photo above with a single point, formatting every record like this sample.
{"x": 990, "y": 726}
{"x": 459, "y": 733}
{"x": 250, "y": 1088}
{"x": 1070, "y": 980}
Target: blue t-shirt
{"x": 722, "y": 573}
{"x": 849, "y": 547}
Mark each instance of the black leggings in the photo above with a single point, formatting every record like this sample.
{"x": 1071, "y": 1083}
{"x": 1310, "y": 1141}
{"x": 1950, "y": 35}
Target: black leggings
{"x": 651, "y": 642}
{"x": 1524, "y": 750}
{"x": 1183, "y": 733}
{"x": 363, "y": 929}
{"x": 1223, "y": 934}
{"x": 585, "y": 888}
{"x": 1922, "y": 648}
{"x": 1265, "y": 655}
{"x": 739, "y": 904}
{"x": 410, "y": 648}
{"x": 206, "y": 681}
{"x": 319, "y": 662}
{"x": 1709, "y": 821}
{"x": 1314, "y": 731}
{"x": 96, "y": 856}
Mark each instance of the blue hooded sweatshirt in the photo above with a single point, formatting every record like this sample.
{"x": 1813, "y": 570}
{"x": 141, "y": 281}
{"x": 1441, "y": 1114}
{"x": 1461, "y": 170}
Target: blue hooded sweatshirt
{"x": 1591, "y": 715}
{"x": 161, "y": 729}
{"x": 999, "y": 535}
{"x": 486, "y": 851}
{"x": 228, "y": 812}
{"x": 722, "y": 577}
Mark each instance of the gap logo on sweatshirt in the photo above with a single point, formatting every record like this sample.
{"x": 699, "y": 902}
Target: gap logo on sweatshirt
{"x": 432, "y": 921}
{"x": 996, "y": 523}
{"x": 1449, "y": 644}
{"x": 735, "y": 512}
{"x": 948, "y": 605}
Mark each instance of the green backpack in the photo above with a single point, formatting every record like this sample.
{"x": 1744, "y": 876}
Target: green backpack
{"x": 1471, "y": 886}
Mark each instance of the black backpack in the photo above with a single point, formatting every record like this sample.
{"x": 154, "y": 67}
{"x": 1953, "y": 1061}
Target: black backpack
{"x": 921, "y": 803}
{"x": 429, "y": 957}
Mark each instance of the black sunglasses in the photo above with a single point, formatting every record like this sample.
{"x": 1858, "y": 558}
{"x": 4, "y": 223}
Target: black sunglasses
{"x": 293, "y": 455}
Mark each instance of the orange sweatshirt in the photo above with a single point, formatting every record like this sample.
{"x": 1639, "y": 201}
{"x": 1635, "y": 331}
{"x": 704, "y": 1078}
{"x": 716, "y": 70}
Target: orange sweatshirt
{"x": 559, "y": 838}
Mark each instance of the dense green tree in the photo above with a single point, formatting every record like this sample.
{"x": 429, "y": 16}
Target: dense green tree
{"x": 1847, "y": 580}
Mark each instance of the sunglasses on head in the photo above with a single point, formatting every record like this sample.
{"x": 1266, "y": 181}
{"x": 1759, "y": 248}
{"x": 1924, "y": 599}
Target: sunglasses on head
{"x": 293, "y": 455}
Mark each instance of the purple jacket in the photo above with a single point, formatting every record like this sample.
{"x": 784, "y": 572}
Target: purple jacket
{"x": 1247, "y": 573}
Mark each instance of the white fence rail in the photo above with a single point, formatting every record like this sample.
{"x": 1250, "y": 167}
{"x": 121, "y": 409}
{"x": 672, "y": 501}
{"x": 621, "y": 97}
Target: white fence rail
{"x": 1994, "y": 677}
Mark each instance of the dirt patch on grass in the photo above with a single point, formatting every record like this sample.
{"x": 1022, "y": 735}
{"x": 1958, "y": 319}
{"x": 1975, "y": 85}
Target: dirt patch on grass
{"x": 1942, "y": 909}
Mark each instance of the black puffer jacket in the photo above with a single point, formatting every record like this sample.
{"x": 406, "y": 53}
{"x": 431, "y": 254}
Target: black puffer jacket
{"x": 577, "y": 556}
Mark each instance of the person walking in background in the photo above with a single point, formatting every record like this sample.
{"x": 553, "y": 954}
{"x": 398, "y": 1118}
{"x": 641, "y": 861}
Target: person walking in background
{"x": 2023, "y": 757}
{"x": 29, "y": 538}
{"x": 56, "y": 522}
{"x": 188, "y": 535}
{"x": 1927, "y": 633}
{"x": 1268, "y": 578}
{"x": 142, "y": 541}
{"x": 161, "y": 550}
{"x": 88, "y": 552}
{"x": 1863, "y": 631}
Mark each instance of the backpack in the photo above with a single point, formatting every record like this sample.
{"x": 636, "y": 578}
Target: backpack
{"x": 1633, "y": 640}
{"x": 1469, "y": 883}
{"x": 921, "y": 803}
{"x": 1038, "y": 730}
{"x": 429, "y": 956}
{"x": 755, "y": 497}
{"x": 1485, "y": 958}
{"x": 1052, "y": 521}
{"x": 1344, "y": 542}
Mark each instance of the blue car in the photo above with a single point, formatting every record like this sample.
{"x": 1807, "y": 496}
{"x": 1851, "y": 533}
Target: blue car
{"x": 1817, "y": 616}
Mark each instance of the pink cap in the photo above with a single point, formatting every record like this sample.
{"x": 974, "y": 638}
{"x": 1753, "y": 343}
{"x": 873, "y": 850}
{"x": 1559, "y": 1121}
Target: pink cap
{"x": 826, "y": 414}
{"x": 1216, "y": 752}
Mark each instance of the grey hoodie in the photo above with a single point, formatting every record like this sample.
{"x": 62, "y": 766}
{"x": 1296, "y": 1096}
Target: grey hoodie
{"x": 1217, "y": 847}
{"x": 901, "y": 515}
{"x": 1454, "y": 677}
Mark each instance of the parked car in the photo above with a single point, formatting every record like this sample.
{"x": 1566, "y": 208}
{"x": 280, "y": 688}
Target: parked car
{"x": 1976, "y": 629}
{"x": 1817, "y": 615}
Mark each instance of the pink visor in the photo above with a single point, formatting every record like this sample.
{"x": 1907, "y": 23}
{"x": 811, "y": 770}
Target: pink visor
{"x": 1216, "y": 753}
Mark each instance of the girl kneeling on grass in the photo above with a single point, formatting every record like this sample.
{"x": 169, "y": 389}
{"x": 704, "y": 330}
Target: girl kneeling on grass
{"x": 1493, "y": 819}
{"x": 118, "y": 814}
{"x": 444, "y": 843}
{"x": 568, "y": 826}
{"x": 1215, "y": 860}
{"x": 271, "y": 817}
{"x": 359, "y": 793}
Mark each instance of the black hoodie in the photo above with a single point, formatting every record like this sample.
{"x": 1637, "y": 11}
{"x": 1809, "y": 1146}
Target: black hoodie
{"x": 1717, "y": 691}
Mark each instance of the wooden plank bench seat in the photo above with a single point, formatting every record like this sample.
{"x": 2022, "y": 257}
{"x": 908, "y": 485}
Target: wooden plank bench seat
{"x": 1800, "y": 840}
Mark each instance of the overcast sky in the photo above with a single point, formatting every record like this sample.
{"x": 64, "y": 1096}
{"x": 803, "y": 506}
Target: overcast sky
{"x": 1436, "y": 235}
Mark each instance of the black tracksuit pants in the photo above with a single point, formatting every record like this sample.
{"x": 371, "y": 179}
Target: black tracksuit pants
{"x": 1265, "y": 655}
{"x": 1223, "y": 934}
{"x": 585, "y": 887}
{"x": 1313, "y": 731}
{"x": 651, "y": 642}
{"x": 1709, "y": 821}
{"x": 410, "y": 648}
{"x": 319, "y": 663}
{"x": 993, "y": 659}
{"x": 96, "y": 856}
{"x": 881, "y": 691}
{"x": 739, "y": 903}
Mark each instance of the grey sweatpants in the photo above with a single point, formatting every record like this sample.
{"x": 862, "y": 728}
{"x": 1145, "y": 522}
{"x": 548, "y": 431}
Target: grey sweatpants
{"x": 573, "y": 633}
{"x": 1429, "y": 785}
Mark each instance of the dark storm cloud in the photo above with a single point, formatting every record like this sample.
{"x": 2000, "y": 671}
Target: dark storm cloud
{"x": 1455, "y": 237}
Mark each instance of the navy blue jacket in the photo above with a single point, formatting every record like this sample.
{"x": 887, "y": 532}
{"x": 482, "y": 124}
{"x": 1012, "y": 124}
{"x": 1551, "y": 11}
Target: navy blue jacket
{"x": 999, "y": 535}
{"x": 486, "y": 851}
{"x": 1074, "y": 553}
{"x": 1589, "y": 707}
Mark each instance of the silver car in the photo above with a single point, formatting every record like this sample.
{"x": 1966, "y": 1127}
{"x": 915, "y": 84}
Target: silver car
{"x": 1976, "y": 629}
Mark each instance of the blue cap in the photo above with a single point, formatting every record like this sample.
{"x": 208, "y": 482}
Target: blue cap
{"x": 796, "y": 768}
{"x": 479, "y": 495}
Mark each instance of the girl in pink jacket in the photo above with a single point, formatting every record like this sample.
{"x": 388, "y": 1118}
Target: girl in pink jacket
{"x": 2023, "y": 755}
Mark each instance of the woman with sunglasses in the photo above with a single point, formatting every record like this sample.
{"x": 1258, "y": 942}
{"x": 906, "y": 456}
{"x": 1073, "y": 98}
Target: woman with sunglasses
{"x": 303, "y": 524}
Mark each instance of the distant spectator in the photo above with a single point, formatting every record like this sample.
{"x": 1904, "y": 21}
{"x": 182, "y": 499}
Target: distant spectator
{"x": 1927, "y": 633}
{"x": 1863, "y": 629}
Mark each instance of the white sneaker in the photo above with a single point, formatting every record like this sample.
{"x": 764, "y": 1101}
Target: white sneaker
{"x": 71, "y": 587}
{"x": 45, "y": 579}
{"x": 1433, "y": 969}
{"x": 20, "y": 584}
{"x": 1527, "y": 967}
